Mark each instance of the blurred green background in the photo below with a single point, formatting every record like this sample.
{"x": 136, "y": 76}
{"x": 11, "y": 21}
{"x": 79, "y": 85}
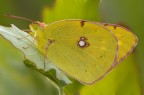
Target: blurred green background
{"x": 126, "y": 79}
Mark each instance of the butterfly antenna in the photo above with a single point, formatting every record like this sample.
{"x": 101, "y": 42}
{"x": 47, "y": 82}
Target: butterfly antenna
{"x": 18, "y": 17}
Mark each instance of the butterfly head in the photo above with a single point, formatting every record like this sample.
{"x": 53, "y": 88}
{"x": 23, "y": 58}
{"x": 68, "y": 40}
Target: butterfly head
{"x": 37, "y": 26}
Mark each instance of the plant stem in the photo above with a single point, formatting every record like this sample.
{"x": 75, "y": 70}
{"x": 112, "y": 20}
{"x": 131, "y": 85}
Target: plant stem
{"x": 61, "y": 91}
{"x": 59, "y": 88}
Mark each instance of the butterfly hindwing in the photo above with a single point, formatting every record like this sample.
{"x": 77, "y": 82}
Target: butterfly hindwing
{"x": 127, "y": 40}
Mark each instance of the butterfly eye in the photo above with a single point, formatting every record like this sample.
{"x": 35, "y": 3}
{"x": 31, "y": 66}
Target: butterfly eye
{"x": 83, "y": 42}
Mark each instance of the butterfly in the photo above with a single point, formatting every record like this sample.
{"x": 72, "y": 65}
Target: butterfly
{"x": 84, "y": 50}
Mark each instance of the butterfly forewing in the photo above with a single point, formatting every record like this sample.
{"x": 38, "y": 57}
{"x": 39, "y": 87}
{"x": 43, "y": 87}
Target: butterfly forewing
{"x": 83, "y": 50}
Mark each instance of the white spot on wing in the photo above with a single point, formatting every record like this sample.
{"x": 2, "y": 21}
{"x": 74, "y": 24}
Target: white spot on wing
{"x": 82, "y": 43}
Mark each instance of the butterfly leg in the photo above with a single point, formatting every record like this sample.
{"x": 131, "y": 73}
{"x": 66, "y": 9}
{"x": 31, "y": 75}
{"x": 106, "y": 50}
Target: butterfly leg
{"x": 27, "y": 46}
{"x": 46, "y": 48}
{"x": 23, "y": 37}
{"x": 34, "y": 41}
{"x": 29, "y": 32}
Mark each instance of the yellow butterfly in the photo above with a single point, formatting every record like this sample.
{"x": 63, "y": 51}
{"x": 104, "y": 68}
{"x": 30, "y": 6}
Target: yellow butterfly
{"x": 84, "y": 50}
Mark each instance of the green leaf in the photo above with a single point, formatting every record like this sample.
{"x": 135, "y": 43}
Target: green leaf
{"x": 24, "y": 42}
{"x": 51, "y": 74}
